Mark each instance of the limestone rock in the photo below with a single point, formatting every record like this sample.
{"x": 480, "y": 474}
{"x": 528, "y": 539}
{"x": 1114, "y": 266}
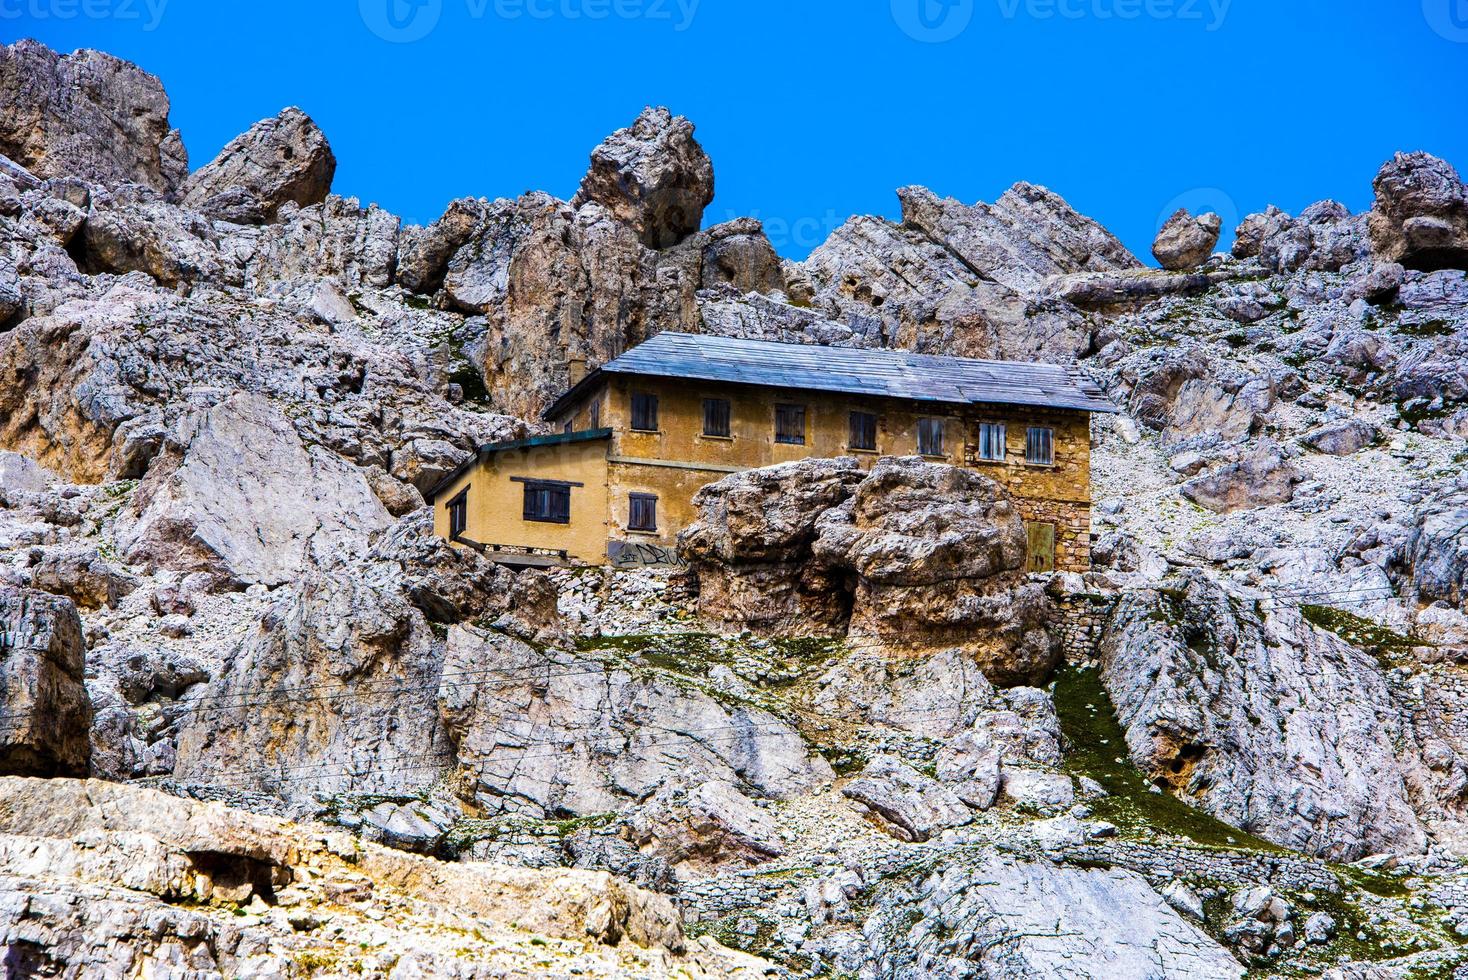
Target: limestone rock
{"x": 912, "y": 806}
{"x": 117, "y": 861}
{"x": 543, "y": 733}
{"x": 751, "y": 546}
{"x": 424, "y": 253}
{"x": 244, "y": 498}
{"x": 1011, "y": 918}
{"x": 20, "y": 474}
{"x": 1255, "y": 229}
{"x": 1438, "y": 549}
{"x": 44, "y": 703}
{"x": 286, "y": 158}
{"x": 133, "y": 231}
{"x": 916, "y": 556}
{"x": 652, "y": 176}
{"x": 1261, "y": 479}
{"x": 82, "y": 575}
{"x": 355, "y": 628}
{"x": 1421, "y": 214}
{"x": 88, "y": 115}
{"x": 1186, "y": 242}
{"x": 1267, "y": 723}
{"x": 712, "y": 823}
{"x": 1343, "y": 438}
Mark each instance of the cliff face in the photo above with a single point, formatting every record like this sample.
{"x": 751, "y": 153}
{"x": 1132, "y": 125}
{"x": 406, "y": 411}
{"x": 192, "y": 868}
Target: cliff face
{"x": 222, "y": 396}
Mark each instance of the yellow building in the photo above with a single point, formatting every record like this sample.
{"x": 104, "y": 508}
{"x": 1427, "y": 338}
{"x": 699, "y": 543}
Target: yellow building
{"x": 639, "y": 436}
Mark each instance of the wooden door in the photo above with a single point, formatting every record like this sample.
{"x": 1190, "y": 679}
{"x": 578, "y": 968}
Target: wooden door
{"x": 1042, "y": 547}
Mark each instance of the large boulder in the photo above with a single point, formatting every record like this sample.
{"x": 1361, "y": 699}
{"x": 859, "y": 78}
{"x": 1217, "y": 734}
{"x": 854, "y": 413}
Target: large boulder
{"x": 1274, "y": 726}
{"x": 88, "y": 115}
{"x": 277, "y": 160}
{"x": 1186, "y": 242}
{"x": 938, "y": 557}
{"x": 43, "y": 699}
{"x": 424, "y": 253}
{"x": 1264, "y": 477}
{"x": 244, "y": 498}
{"x": 751, "y": 546}
{"x": 1420, "y": 219}
{"x": 652, "y": 176}
{"x": 914, "y": 557}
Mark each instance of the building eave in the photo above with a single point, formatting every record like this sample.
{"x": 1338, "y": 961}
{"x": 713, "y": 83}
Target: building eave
{"x": 533, "y": 442}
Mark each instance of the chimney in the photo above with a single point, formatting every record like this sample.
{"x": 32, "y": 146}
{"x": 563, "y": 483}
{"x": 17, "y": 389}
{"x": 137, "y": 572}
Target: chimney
{"x": 577, "y": 366}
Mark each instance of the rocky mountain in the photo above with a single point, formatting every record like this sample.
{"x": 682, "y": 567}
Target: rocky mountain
{"x": 256, "y": 720}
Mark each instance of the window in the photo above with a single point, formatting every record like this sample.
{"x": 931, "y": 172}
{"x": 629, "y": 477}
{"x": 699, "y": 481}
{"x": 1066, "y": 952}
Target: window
{"x": 569, "y": 427}
{"x": 596, "y": 414}
{"x": 459, "y": 515}
{"x": 863, "y": 432}
{"x": 1040, "y": 446}
{"x": 991, "y": 441}
{"x": 790, "y": 424}
{"x": 643, "y": 515}
{"x": 644, "y": 412}
{"x": 548, "y": 503}
{"x": 930, "y": 437}
{"x": 716, "y": 417}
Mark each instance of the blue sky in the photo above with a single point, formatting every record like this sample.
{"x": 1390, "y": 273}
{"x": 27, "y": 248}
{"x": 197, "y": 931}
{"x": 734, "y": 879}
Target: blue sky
{"x": 819, "y": 110}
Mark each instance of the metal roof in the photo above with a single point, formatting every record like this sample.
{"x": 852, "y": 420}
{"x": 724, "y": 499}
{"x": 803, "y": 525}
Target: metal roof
{"x": 855, "y": 370}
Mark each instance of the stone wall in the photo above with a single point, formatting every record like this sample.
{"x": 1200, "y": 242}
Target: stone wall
{"x": 1083, "y": 620}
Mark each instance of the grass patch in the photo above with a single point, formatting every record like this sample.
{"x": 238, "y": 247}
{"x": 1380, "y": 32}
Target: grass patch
{"x": 1388, "y": 646}
{"x": 1096, "y": 747}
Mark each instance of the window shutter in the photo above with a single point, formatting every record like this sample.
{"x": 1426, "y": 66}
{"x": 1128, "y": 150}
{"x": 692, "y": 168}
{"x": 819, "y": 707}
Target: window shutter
{"x": 991, "y": 441}
{"x": 930, "y": 437}
{"x": 716, "y": 417}
{"x": 645, "y": 412}
{"x": 863, "y": 431}
{"x": 1040, "y": 446}
{"x": 790, "y": 424}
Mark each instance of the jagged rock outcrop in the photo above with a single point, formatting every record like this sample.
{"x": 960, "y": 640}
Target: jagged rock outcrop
{"x": 286, "y": 158}
{"x": 964, "y": 280}
{"x": 295, "y": 705}
{"x": 1268, "y": 723}
{"x": 243, "y": 498}
{"x": 136, "y": 881}
{"x": 547, "y": 733}
{"x": 1186, "y": 242}
{"x": 44, "y": 712}
{"x": 914, "y": 556}
{"x": 83, "y": 575}
{"x": 1420, "y": 218}
{"x": 653, "y": 177}
{"x": 87, "y": 115}
{"x": 135, "y": 230}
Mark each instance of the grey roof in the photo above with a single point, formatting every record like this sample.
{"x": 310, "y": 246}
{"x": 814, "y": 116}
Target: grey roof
{"x": 555, "y": 439}
{"x": 875, "y": 373}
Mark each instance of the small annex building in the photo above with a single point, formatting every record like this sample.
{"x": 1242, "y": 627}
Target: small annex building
{"x": 638, "y": 437}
